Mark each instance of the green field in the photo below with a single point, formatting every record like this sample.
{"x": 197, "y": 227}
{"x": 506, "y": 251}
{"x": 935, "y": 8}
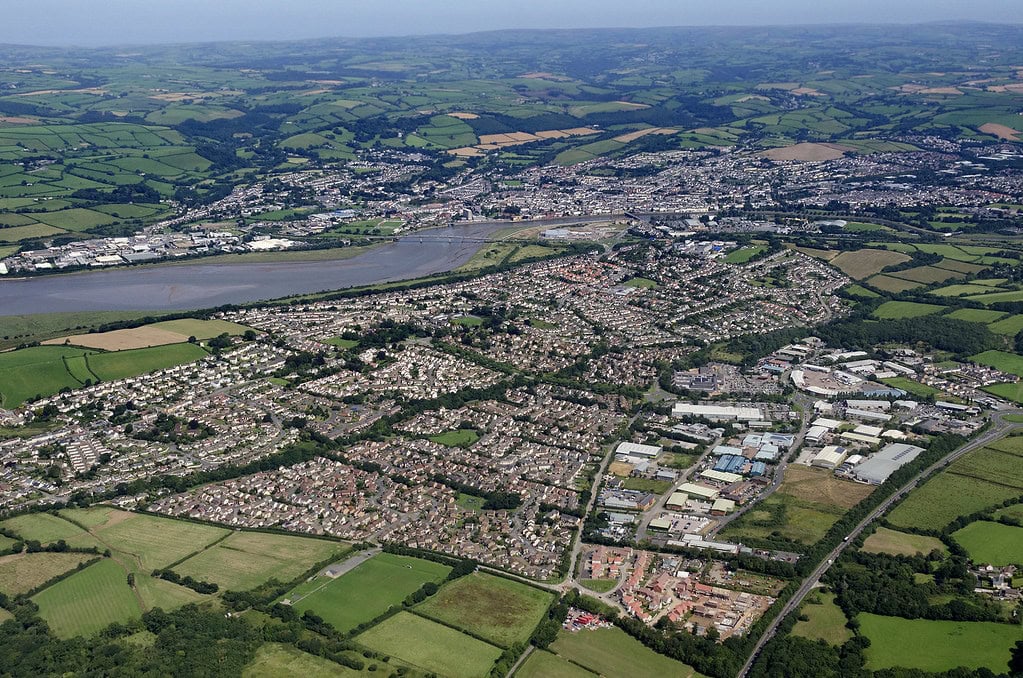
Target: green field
{"x": 45, "y": 370}
{"x": 645, "y": 283}
{"x": 599, "y": 585}
{"x": 1013, "y": 392}
{"x": 1000, "y": 360}
{"x": 976, "y": 315}
{"x": 1011, "y": 326}
{"x": 614, "y": 653}
{"x": 989, "y": 298}
{"x": 497, "y": 609}
{"x": 961, "y": 290}
{"x": 463, "y": 437}
{"x": 201, "y": 329}
{"x": 431, "y": 647}
{"x": 898, "y": 543}
{"x": 910, "y": 386}
{"x": 154, "y": 542}
{"x": 543, "y": 664}
{"x": 48, "y": 529}
{"x": 785, "y": 516}
{"x": 124, "y": 364}
{"x": 36, "y": 371}
{"x": 88, "y": 601}
{"x": 937, "y": 645}
{"x": 273, "y": 660}
{"x": 247, "y": 559}
{"x": 22, "y": 572}
{"x": 744, "y": 254}
{"x": 341, "y": 343}
{"x": 367, "y": 591}
{"x": 861, "y": 291}
{"x": 946, "y": 497}
{"x": 895, "y": 310}
{"x": 890, "y": 284}
{"x": 992, "y": 543}
{"x": 826, "y": 621}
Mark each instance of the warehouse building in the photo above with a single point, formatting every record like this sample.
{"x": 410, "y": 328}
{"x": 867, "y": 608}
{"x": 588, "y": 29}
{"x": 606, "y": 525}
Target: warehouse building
{"x": 879, "y": 467}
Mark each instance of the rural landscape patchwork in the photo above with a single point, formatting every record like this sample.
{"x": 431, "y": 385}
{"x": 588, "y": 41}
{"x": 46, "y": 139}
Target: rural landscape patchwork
{"x": 688, "y": 352}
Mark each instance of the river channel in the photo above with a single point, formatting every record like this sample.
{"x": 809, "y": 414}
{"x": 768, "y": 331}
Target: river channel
{"x": 198, "y": 285}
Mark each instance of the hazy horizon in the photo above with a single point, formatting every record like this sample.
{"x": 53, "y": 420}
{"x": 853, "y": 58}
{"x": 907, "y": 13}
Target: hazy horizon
{"x": 138, "y": 22}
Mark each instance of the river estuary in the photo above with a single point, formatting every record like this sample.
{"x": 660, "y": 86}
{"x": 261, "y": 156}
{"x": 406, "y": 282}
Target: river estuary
{"x": 198, "y": 285}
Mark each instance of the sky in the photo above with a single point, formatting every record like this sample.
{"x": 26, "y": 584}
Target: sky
{"x": 120, "y": 22}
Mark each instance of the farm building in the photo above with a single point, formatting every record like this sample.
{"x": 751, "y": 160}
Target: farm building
{"x": 886, "y": 462}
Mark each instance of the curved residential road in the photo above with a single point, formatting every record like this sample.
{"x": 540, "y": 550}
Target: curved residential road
{"x": 999, "y": 427}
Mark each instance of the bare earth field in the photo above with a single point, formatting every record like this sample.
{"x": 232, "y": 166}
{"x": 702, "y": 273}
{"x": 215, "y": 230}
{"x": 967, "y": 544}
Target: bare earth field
{"x": 865, "y": 263}
{"x": 1000, "y": 131}
{"x": 822, "y": 487}
{"x": 807, "y": 152}
{"x": 120, "y": 340}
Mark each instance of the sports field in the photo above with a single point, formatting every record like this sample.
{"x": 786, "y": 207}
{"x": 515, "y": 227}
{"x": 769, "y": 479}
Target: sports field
{"x": 992, "y": 543}
{"x": 497, "y": 609}
{"x": 367, "y": 591}
{"x": 612, "y": 652}
{"x": 430, "y": 646}
{"x": 459, "y": 438}
{"x": 897, "y": 543}
{"x": 247, "y": 559}
{"x": 88, "y": 601}
{"x": 22, "y": 572}
{"x": 744, "y": 254}
{"x": 826, "y": 620}
{"x": 937, "y": 645}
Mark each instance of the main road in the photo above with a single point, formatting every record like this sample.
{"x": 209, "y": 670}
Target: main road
{"x": 999, "y": 427}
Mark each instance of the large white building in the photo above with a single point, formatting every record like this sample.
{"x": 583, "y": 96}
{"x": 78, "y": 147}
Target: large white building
{"x": 718, "y": 412}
